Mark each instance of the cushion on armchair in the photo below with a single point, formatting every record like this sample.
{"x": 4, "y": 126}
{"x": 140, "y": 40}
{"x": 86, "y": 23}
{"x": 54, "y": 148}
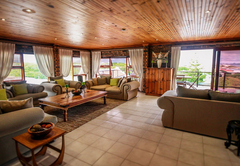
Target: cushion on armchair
{"x": 55, "y": 78}
{"x": 60, "y": 82}
{"x": 191, "y": 93}
{"x": 20, "y": 89}
{"x": 3, "y": 95}
{"x": 9, "y": 106}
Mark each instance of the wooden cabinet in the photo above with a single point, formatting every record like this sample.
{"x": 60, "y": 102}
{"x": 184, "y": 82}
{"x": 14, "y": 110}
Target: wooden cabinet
{"x": 158, "y": 80}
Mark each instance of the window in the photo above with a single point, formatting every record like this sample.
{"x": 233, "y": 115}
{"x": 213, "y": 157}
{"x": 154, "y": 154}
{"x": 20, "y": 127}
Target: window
{"x": 32, "y": 73}
{"x": 76, "y": 68}
{"x": 130, "y": 72}
{"x": 16, "y": 73}
{"x": 105, "y": 67}
{"x": 118, "y": 67}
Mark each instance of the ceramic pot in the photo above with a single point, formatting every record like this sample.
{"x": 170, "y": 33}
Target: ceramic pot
{"x": 159, "y": 63}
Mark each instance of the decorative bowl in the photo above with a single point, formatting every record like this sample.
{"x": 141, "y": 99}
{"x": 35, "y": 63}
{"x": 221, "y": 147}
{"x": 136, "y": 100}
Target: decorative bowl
{"x": 40, "y": 130}
{"x": 78, "y": 92}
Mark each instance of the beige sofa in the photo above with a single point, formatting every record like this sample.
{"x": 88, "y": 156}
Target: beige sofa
{"x": 203, "y": 116}
{"x": 34, "y": 91}
{"x": 52, "y": 88}
{"x": 126, "y": 91}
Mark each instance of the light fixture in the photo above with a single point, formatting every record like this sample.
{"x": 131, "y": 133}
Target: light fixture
{"x": 143, "y": 40}
{"x": 3, "y": 19}
{"x": 123, "y": 29}
{"x": 102, "y": 44}
{"x": 28, "y": 11}
{"x": 55, "y": 38}
{"x": 95, "y": 37}
{"x": 156, "y": 39}
{"x": 208, "y": 11}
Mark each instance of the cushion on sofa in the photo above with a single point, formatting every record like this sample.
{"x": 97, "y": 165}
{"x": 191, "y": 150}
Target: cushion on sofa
{"x": 3, "y": 95}
{"x": 119, "y": 82}
{"x": 114, "y": 81}
{"x": 102, "y": 81}
{"x": 231, "y": 97}
{"x": 113, "y": 89}
{"x": 107, "y": 78}
{"x": 33, "y": 95}
{"x": 20, "y": 89}
{"x": 55, "y": 78}
{"x": 9, "y": 106}
{"x": 191, "y": 93}
{"x": 123, "y": 82}
{"x": 60, "y": 82}
{"x": 94, "y": 80}
{"x": 99, "y": 87}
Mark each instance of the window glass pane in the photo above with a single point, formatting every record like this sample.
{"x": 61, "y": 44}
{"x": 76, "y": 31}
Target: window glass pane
{"x": 69, "y": 77}
{"x": 32, "y": 73}
{"x": 76, "y": 70}
{"x": 17, "y": 60}
{"x": 76, "y": 61}
{"x": 104, "y": 61}
{"x": 118, "y": 67}
{"x": 104, "y": 71}
{"x": 15, "y": 74}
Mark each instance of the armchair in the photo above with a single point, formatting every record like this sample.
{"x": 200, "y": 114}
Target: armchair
{"x": 52, "y": 88}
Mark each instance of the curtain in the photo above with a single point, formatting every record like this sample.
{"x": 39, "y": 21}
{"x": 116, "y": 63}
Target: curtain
{"x": 136, "y": 57}
{"x": 96, "y": 60}
{"x": 45, "y": 60}
{"x": 85, "y": 58}
{"x": 175, "y": 57}
{"x": 65, "y": 61}
{"x": 7, "y": 51}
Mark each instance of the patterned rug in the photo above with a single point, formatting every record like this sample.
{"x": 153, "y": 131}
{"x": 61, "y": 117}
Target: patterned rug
{"x": 82, "y": 114}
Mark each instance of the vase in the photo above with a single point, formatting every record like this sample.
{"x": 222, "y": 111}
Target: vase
{"x": 159, "y": 63}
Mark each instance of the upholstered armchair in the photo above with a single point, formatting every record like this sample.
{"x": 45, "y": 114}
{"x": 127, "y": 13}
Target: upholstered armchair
{"x": 52, "y": 88}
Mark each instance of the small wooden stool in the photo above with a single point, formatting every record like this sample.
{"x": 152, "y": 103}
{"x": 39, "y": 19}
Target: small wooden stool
{"x": 26, "y": 140}
{"x": 233, "y": 125}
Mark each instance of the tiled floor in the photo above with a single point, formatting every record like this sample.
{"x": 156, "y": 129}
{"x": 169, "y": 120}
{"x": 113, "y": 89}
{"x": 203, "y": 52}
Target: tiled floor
{"x": 132, "y": 135}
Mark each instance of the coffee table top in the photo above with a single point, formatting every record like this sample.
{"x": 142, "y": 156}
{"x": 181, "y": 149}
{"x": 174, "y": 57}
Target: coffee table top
{"x": 26, "y": 140}
{"x": 60, "y": 100}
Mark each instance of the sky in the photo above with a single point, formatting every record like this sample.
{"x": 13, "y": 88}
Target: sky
{"x": 230, "y": 56}
{"x": 204, "y": 57}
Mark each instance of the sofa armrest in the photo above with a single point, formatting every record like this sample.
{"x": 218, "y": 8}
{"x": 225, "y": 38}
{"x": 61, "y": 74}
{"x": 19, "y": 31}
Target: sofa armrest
{"x": 130, "y": 86}
{"x": 75, "y": 84}
{"x": 37, "y": 88}
{"x": 18, "y": 120}
{"x": 9, "y": 94}
{"x": 50, "y": 87}
{"x": 89, "y": 83}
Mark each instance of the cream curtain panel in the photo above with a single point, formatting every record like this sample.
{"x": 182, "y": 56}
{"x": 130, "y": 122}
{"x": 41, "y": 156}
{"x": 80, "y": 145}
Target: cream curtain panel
{"x": 65, "y": 61}
{"x": 175, "y": 57}
{"x": 136, "y": 57}
{"x": 45, "y": 60}
{"x": 7, "y": 51}
{"x": 96, "y": 60}
{"x": 85, "y": 59}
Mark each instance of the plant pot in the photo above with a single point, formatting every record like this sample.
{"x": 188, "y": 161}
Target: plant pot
{"x": 159, "y": 63}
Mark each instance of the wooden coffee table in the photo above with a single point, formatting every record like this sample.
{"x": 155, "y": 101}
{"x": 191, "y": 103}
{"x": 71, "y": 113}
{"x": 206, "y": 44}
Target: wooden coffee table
{"x": 60, "y": 102}
{"x": 32, "y": 144}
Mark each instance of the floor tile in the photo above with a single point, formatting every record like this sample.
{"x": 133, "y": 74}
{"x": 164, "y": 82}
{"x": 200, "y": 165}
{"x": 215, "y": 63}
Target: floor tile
{"x": 168, "y": 151}
{"x": 100, "y": 131}
{"x": 192, "y": 146}
{"x": 152, "y": 136}
{"x": 213, "y": 141}
{"x": 129, "y": 163}
{"x": 216, "y": 152}
{"x": 75, "y": 162}
{"x": 74, "y": 148}
{"x": 88, "y": 127}
{"x": 113, "y": 135}
{"x": 109, "y": 159}
{"x": 171, "y": 141}
{"x": 88, "y": 138}
{"x": 173, "y": 133}
{"x": 214, "y": 161}
{"x": 147, "y": 145}
{"x": 193, "y": 137}
{"x": 135, "y": 132}
{"x": 121, "y": 150}
{"x": 96, "y": 121}
{"x": 121, "y": 128}
{"x": 75, "y": 134}
{"x": 156, "y": 129}
{"x": 160, "y": 160}
{"x": 183, "y": 164}
{"x": 90, "y": 155}
{"x": 140, "y": 156}
{"x": 103, "y": 144}
{"x": 191, "y": 157}
{"x": 109, "y": 125}
{"x": 116, "y": 119}
{"x": 129, "y": 140}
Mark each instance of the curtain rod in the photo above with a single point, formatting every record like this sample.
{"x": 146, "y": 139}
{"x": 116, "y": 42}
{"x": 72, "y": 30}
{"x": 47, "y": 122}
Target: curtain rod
{"x": 118, "y": 49}
{"x": 215, "y": 43}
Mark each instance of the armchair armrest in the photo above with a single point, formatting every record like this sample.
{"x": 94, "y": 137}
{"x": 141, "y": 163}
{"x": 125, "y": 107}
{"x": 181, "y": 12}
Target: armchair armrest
{"x": 37, "y": 88}
{"x": 50, "y": 87}
{"x": 75, "y": 84}
{"x": 89, "y": 83}
{"x": 131, "y": 85}
{"x": 9, "y": 94}
{"x": 21, "y": 119}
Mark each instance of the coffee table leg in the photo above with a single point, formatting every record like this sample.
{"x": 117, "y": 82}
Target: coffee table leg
{"x": 104, "y": 98}
{"x": 65, "y": 115}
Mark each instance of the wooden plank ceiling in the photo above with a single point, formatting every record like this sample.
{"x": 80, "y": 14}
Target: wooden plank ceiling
{"x": 97, "y": 24}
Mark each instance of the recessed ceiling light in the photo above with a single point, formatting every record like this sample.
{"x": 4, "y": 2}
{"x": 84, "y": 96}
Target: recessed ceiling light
{"x": 55, "y": 38}
{"x": 143, "y": 40}
{"x": 95, "y": 37}
{"x": 28, "y": 11}
{"x": 156, "y": 39}
{"x": 102, "y": 44}
{"x": 123, "y": 29}
{"x": 3, "y": 19}
{"x": 49, "y": 5}
{"x": 208, "y": 11}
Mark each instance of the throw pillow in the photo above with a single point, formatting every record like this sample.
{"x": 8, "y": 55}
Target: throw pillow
{"x": 101, "y": 81}
{"x": 14, "y": 105}
{"x": 3, "y": 95}
{"x": 123, "y": 82}
{"x": 95, "y": 81}
{"x": 20, "y": 89}
{"x": 55, "y": 78}
{"x": 119, "y": 82}
{"x": 107, "y": 78}
{"x": 114, "y": 81}
{"x": 129, "y": 79}
{"x": 191, "y": 93}
{"x": 231, "y": 97}
{"x": 60, "y": 82}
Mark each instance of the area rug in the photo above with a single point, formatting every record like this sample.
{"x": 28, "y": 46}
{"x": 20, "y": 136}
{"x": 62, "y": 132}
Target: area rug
{"x": 82, "y": 114}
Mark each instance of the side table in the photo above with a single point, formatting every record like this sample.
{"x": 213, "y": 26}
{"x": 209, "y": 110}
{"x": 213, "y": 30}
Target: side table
{"x": 32, "y": 144}
{"x": 233, "y": 125}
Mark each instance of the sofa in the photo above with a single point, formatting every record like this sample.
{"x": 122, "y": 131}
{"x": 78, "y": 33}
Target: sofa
{"x": 15, "y": 123}
{"x": 52, "y": 88}
{"x": 34, "y": 91}
{"x": 123, "y": 91}
{"x": 199, "y": 111}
